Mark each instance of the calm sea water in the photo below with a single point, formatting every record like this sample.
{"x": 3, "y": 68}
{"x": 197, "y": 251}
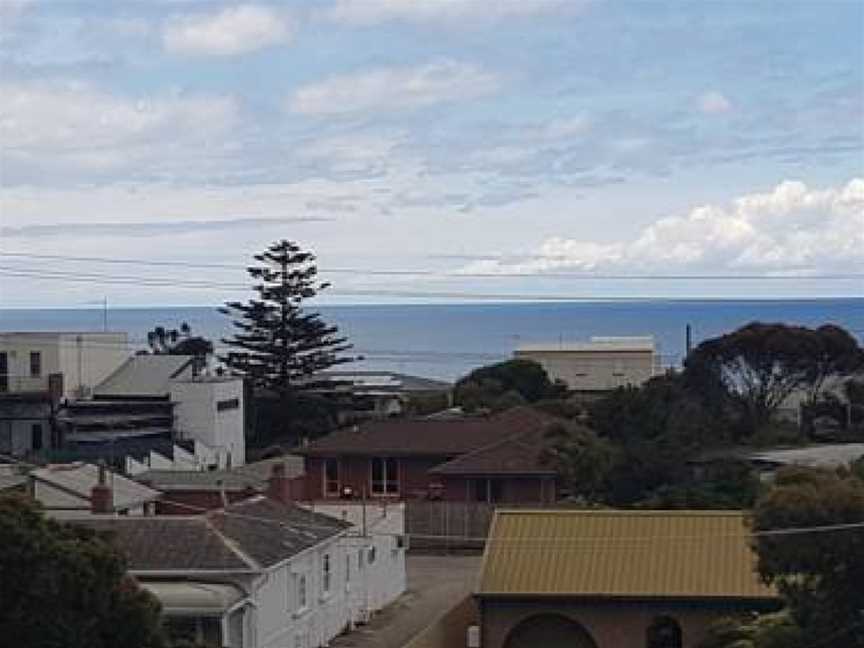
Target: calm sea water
{"x": 446, "y": 341}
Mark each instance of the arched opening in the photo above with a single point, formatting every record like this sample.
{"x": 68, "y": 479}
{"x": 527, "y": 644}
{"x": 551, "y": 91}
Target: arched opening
{"x": 664, "y": 632}
{"x": 549, "y": 631}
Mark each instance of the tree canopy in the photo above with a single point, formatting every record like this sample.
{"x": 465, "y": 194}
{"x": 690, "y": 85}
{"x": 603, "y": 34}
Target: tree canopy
{"x": 760, "y": 365}
{"x": 65, "y": 587}
{"x": 820, "y": 575}
{"x": 506, "y": 384}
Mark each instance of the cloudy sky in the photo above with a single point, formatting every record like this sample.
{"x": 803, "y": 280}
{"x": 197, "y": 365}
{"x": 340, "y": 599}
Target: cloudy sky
{"x": 457, "y": 148}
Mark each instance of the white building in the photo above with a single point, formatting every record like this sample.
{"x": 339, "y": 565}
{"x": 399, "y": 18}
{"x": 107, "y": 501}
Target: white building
{"x": 38, "y": 371}
{"x": 602, "y": 364}
{"x": 258, "y": 574}
{"x": 84, "y": 359}
{"x": 376, "y": 551}
{"x": 210, "y": 410}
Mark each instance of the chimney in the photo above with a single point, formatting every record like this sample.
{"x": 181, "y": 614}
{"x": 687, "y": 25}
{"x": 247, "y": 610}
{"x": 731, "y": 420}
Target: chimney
{"x": 101, "y": 496}
{"x": 278, "y": 484}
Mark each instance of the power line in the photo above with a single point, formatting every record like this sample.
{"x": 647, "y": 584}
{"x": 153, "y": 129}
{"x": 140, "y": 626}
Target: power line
{"x": 451, "y": 274}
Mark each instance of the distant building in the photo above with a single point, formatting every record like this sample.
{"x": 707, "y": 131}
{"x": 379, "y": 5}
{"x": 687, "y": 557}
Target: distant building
{"x": 628, "y": 579}
{"x": 382, "y": 394}
{"x": 766, "y": 461}
{"x": 39, "y": 371}
{"x": 486, "y": 458}
{"x": 602, "y": 364}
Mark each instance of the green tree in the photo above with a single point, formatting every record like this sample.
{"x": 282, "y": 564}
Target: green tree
{"x": 760, "y": 365}
{"x": 819, "y": 574}
{"x": 505, "y": 384}
{"x": 582, "y": 460}
{"x": 279, "y": 346}
{"x": 164, "y": 341}
{"x": 65, "y": 587}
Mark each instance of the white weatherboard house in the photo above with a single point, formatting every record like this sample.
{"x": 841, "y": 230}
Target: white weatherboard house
{"x": 601, "y": 364}
{"x": 258, "y": 574}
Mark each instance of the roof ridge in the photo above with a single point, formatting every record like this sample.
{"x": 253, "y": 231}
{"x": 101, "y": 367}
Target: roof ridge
{"x": 229, "y": 542}
{"x": 625, "y": 512}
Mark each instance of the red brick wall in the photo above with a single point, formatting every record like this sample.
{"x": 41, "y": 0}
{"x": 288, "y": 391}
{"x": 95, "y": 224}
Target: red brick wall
{"x": 515, "y": 490}
{"x": 414, "y": 478}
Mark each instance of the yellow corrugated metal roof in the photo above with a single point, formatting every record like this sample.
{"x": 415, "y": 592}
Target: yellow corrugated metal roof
{"x": 620, "y": 554}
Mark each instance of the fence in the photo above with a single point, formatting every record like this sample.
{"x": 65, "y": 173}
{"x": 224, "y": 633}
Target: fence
{"x": 452, "y": 525}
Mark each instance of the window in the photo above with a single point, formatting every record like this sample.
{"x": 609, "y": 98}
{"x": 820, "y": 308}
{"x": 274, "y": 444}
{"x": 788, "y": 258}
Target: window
{"x": 347, "y": 568}
{"x": 385, "y": 476}
{"x": 331, "y": 478}
{"x": 231, "y": 403}
{"x": 487, "y": 490}
{"x": 35, "y": 364}
{"x": 371, "y": 555}
{"x": 326, "y": 573}
{"x": 300, "y": 592}
{"x": 36, "y": 436}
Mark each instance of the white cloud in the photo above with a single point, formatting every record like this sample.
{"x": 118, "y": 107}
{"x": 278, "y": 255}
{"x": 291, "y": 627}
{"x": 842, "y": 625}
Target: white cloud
{"x": 714, "y": 103}
{"x": 371, "y": 12}
{"x": 790, "y": 229}
{"x": 232, "y": 31}
{"x": 394, "y": 88}
{"x": 78, "y": 126}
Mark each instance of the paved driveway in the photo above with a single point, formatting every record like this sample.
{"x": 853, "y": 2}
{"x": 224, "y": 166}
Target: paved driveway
{"x": 435, "y": 584}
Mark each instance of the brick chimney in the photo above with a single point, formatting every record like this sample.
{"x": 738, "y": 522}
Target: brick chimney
{"x": 278, "y": 484}
{"x": 101, "y": 495}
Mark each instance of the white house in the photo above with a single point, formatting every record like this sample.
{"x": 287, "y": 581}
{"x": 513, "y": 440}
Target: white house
{"x": 376, "y": 552}
{"x": 602, "y": 364}
{"x": 258, "y": 574}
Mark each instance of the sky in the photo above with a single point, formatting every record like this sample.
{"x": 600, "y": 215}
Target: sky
{"x": 431, "y": 150}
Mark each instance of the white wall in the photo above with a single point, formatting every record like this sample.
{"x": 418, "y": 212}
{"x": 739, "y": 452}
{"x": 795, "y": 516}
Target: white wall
{"x": 197, "y": 416}
{"x": 594, "y": 370}
{"x": 83, "y": 358}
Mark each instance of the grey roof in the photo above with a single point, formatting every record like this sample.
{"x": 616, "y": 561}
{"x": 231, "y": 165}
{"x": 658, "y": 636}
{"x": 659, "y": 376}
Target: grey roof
{"x": 831, "y": 455}
{"x": 594, "y": 345}
{"x": 261, "y": 470}
{"x": 194, "y": 480}
{"x": 77, "y": 480}
{"x": 144, "y": 375}
{"x": 249, "y": 535}
{"x": 9, "y": 481}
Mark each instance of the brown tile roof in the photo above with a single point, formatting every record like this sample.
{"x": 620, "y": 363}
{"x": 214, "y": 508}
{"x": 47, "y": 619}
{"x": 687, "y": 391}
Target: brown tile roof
{"x": 425, "y": 437}
{"x": 521, "y": 454}
{"x": 248, "y": 535}
{"x": 638, "y": 554}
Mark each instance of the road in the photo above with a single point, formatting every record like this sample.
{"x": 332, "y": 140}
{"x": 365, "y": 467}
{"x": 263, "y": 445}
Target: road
{"x": 435, "y": 584}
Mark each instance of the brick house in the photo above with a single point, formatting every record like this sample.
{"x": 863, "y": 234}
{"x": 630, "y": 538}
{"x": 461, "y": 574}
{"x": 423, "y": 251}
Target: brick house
{"x": 623, "y": 579}
{"x": 485, "y": 458}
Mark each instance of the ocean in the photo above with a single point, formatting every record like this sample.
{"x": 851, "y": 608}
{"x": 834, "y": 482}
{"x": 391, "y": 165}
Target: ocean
{"x": 446, "y": 341}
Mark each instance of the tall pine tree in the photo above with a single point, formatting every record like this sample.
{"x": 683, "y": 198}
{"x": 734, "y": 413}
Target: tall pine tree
{"x": 278, "y": 345}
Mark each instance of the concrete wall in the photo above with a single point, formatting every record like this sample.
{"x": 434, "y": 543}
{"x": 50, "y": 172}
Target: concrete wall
{"x": 450, "y": 630}
{"x": 594, "y": 370}
{"x": 86, "y": 359}
{"x": 610, "y": 624}
{"x": 198, "y": 416}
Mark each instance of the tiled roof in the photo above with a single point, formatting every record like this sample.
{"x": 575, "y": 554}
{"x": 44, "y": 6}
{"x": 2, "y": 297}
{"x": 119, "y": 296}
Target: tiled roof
{"x": 269, "y": 531}
{"x": 411, "y": 437}
{"x": 516, "y": 455}
{"x": 169, "y": 543}
{"x": 639, "y": 554}
{"x": 176, "y": 480}
{"x": 248, "y": 535}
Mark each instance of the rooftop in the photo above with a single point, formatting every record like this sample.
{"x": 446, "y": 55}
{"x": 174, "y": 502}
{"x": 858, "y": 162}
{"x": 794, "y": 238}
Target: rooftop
{"x": 436, "y": 437}
{"x": 246, "y": 536}
{"x": 144, "y": 375}
{"x": 73, "y": 483}
{"x": 516, "y": 455}
{"x": 594, "y": 345}
{"x": 621, "y": 554}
